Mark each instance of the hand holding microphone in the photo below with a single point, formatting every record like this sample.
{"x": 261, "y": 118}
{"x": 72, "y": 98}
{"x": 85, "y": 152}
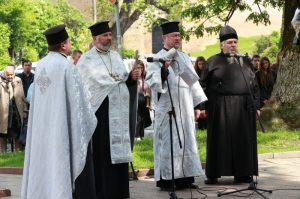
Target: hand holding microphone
{"x": 166, "y": 60}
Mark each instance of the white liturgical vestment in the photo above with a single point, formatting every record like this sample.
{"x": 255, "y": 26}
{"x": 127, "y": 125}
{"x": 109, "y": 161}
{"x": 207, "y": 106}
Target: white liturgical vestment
{"x": 185, "y": 98}
{"x": 61, "y": 124}
{"x": 104, "y": 74}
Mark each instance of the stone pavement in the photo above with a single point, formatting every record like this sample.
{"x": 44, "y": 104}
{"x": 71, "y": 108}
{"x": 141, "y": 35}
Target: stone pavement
{"x": 279, "y": 173}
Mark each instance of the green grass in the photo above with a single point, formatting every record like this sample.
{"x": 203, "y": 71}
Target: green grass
{"x": 15, "y": 159}
{"x": 271, "y": 142}
{"x": 246, "y": 45}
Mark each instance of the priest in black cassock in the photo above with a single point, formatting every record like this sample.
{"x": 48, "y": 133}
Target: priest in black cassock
{"x": 107, "y": 83}
{"x": 231, "y": 132}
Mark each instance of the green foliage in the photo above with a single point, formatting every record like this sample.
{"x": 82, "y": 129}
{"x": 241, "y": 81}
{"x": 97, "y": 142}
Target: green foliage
{"x": 105, "y": 11}
{"x": 287, "y": 108}
{"x": 209, "y": 16}
{"x": 27, "y": 21}
{"x": 75, "y": 22}
{"x": 271, "y": 53}
{"x": 31, "y": 54}
{"x": 261, "y": 44}
{"x": 46, "y": 16}
{"x": 267, "y": 45}
{"x": 16, "y": 14}
{"x": 128, "y": 53}
{"x": 4, "y": 44}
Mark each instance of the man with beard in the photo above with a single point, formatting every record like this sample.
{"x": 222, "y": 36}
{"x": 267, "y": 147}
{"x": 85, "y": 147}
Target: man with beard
{"x": 60, "y": 126}
{"x": 231, "y": 132}
{"x": 186, "y": 97}
{"x": 107, "y": 83}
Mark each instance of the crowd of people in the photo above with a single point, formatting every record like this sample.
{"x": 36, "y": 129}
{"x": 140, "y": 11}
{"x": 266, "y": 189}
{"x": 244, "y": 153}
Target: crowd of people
{"x": 83, "y": 116}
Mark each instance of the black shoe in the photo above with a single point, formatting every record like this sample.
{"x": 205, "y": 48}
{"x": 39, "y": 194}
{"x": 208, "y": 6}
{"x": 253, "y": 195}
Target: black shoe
{"x": 243, "y": 179}
{"x": 209, "y": 180}
{"x": 187, "y": 186}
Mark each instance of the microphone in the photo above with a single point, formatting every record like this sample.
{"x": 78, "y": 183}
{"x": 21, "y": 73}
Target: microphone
{"x": 168, "y": 56}
{"x": 152, "y": 59}
{"x": 234, "y": 55}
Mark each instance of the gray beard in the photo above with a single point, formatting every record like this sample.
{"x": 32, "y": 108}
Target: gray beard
{"x": 103, "y": 48}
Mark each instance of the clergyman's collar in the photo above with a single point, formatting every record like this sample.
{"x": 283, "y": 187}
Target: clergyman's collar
{"x": 101, "y": 51}
{"x": 63, "y": 55}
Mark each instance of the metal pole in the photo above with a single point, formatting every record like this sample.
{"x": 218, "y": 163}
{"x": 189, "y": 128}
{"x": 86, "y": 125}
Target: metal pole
{"x": 118, "y": 30}
{"x": 94, "y": 11}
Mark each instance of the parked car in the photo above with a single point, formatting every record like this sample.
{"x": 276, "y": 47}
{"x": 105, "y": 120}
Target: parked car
{"x": 19, "y": 69}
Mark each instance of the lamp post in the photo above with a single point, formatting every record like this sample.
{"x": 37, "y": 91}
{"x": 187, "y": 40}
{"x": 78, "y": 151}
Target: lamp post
{"x": 94, "y": 11}
{"x": 118, "y": 26}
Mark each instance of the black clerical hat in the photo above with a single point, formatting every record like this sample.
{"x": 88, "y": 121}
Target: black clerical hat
{"x": 170, "y": 27}
{"x": 56, "y": 34}
{"x": 227, "y": 32}
{"x": 99, "y": 28}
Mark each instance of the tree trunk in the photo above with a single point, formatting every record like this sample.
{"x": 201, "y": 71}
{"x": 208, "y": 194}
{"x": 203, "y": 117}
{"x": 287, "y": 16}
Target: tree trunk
{"x": 287, "y": 87}
{"x": 282, "y": 110}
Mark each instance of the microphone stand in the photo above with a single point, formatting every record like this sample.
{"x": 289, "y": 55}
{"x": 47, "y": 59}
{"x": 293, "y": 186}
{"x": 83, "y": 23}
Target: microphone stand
{"x": 252, "y": 185}
{"x": 172, "y": 112}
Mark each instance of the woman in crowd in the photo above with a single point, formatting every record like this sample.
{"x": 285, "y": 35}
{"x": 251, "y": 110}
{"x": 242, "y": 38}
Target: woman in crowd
{"x": 13, "y": 108}
{"x": 144, "y": 102}
{"x": 200, "y": 61}
{"x": 199, "y": 64}
{"x": 266, "y": 78}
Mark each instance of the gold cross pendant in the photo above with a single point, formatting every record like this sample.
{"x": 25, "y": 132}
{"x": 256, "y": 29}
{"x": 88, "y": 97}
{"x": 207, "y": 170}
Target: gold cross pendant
{"x": 116, "y": 77}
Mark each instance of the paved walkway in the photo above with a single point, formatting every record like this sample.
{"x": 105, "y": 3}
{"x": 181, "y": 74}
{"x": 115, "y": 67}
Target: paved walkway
{"x": 281, "y": 174}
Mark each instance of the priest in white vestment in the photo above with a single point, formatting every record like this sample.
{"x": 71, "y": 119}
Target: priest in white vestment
{"x": 61, "y": 124}
{"x": 187, "y": 94}
{"x": 108, "y": 82}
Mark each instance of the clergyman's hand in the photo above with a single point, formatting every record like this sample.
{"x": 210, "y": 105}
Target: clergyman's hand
{"x": 203, "y": 114}
{"x": 196, "y": 114}
{"x": 258, "y": 114}
{"x": 134, "y": 74}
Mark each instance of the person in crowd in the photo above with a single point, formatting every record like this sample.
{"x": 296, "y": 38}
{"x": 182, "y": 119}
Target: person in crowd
{"x": 255, "y": 62}
{"x": 200, "y": 61}
{"x": 76, "y": 54}
{"x": 60, "y": 126}
{"x": 199, "y": 65}
{"x": 108, "y": 83}
{"x": 296, "y": 20}
{"x": 143, "y": 116}
{"x": 26, "y": 76}
{"x": 266, "y": 78}
{"x": 231, "y": 131}
{"x": 275, "y": 66}
{"x": 186, "y": 98}
{"x": 13, "y": 108}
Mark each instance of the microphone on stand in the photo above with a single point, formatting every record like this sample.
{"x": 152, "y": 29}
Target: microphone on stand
{"x": 234, "y": 55}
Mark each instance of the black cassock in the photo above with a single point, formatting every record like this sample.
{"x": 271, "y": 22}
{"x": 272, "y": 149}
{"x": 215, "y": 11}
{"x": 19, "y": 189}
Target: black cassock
{"x": 100, "y": 178}
{"x": 231, "y": 132}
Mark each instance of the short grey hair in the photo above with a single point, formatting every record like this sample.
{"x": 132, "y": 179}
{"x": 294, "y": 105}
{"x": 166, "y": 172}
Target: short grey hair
{"x": 6, "y": 68}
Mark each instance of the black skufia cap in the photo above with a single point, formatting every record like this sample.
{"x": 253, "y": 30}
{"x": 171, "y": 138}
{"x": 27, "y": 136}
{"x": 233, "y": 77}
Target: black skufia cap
{"x": 56, "y": 34}
{"x": 170, "y": 27}
{"x": 227, "y": 32}
{"x": 99, "y": 28}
